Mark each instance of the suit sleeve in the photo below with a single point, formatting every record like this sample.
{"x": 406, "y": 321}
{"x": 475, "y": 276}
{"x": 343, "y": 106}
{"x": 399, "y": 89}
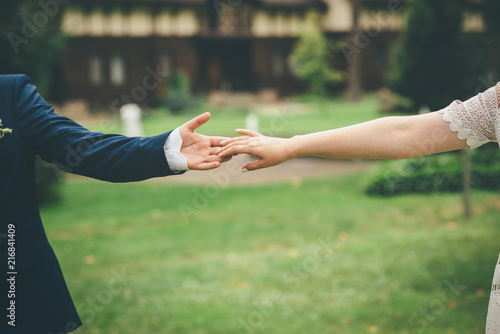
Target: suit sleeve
{"x": 75, "y": 149}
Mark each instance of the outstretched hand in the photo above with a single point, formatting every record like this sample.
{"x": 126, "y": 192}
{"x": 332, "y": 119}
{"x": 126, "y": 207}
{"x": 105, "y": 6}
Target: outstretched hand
{"x": 271, "y": 151}
{"x": 200, "y": 151}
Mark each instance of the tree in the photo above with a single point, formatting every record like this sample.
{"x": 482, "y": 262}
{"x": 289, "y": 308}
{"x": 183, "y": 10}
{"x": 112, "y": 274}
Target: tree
{"x": 490, "y": 16}
{"x": 354, "y": 84}
{"x": 311, "y": 57}
{"x": 31, "y": 41}
{"x": 430, "y": 67}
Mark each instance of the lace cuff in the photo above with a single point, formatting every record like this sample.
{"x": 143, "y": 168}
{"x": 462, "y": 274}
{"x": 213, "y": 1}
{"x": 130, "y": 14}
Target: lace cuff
{"x": 476, "y": 120}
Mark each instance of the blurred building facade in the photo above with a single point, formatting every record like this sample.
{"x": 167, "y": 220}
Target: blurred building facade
{"x": 122, "y": 49}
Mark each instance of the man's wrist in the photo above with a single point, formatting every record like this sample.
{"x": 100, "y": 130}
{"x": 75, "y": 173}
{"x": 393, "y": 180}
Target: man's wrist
{"x": 175, "y": 159}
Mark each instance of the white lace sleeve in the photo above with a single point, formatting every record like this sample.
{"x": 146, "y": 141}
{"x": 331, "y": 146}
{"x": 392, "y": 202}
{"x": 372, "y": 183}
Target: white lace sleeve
{"x": 477, "y": 120}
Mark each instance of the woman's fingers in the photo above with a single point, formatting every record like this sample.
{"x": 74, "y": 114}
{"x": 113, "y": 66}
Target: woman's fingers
{"x": 222, "y": 151}
{"x": 213, "y": 161}
{"x": 232, "y": 140}
{"x": 216, "y": 141}
{"x": 235, "y": 150}
{"x": 245, "y": 132}
{"x": 215, "y": 150}
{"x": 248, "y": 132}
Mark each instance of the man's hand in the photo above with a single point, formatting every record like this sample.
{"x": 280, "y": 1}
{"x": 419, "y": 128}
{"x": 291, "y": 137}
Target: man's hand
{"x": 200, "y": 151}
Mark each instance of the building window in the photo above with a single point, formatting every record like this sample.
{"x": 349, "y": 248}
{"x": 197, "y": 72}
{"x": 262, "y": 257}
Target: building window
{"x": 96, "y": 69}
{"x": 117, "y": 73}
{"x": 279, "y": 63}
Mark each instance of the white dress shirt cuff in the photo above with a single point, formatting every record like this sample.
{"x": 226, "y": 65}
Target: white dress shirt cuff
{"x": 176, "y": 161}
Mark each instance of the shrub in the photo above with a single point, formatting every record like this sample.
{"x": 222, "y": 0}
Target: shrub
{"x": 485, "y": 166}
{"x": 178, "y": 95}
{"x": 437, "y": 173}
{"x": 177, "y": 98}
{"x": 47, "y": 182}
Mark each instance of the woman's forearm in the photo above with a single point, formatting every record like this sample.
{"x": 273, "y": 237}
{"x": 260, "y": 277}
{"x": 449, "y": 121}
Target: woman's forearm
{"x": 385, "y": 138}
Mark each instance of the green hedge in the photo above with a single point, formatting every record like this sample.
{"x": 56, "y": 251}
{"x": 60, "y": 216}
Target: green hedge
{"x": 485, "y": 167}
{"x": 437, "y": 173}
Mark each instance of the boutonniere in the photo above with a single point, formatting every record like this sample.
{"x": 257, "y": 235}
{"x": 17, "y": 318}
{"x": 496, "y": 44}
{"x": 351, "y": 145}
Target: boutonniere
{"x": 4, "y": 131}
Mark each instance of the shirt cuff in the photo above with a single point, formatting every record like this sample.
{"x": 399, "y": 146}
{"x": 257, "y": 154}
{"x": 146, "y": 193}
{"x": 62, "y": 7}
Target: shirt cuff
{"x": 176, "y": 161}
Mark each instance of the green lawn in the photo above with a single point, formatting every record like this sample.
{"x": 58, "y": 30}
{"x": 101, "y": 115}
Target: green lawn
{"x": 282, "y": 122}
{"x": 319, "y": 257}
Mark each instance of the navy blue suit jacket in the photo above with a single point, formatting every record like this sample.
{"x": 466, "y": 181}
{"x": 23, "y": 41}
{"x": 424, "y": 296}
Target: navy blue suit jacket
{"x": 43, "y": 304}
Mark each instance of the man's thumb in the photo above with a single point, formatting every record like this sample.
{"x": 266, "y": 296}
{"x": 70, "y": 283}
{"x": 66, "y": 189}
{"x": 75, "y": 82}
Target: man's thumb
{"x": 197, "y": 121}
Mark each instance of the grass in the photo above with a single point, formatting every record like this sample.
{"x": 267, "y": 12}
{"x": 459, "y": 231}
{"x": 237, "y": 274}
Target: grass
{"x": 307, "y": 257}
{"x": 314, "y": 257}
{"x": 282, "y": 122}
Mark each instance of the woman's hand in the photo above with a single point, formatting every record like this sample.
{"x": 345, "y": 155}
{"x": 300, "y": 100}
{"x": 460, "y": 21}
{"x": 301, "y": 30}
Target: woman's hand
{"x": 271, "y": 151}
